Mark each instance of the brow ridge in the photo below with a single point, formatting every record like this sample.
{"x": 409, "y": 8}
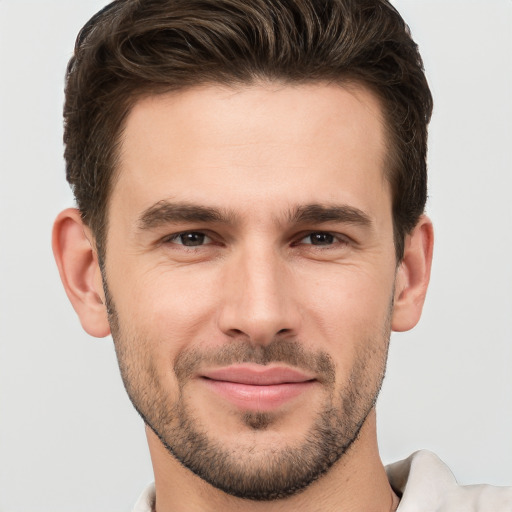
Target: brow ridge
{"x": 318, "y": 213}
{"x": 165, "y": 212}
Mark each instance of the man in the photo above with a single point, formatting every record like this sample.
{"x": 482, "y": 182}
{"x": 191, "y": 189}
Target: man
{"x": 251, "y": 182}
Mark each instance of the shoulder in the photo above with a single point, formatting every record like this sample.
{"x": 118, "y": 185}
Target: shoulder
{"x": 426, "y": 484}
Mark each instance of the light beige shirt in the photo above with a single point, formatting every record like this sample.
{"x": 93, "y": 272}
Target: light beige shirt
{"x": 424, "y": 483}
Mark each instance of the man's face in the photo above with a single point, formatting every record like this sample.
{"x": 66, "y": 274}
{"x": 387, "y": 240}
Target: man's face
{"x": 250, "y": 269}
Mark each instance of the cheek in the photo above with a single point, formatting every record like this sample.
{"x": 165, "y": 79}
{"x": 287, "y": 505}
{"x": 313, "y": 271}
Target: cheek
{"x": 347, "y": 308}
{"x": 170, "y": 306}
{"x": 350, "y": 288}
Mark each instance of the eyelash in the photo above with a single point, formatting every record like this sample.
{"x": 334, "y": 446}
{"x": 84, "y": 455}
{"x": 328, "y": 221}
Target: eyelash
{"x": 333, "y": 239}
{"x": 173, "y": 238}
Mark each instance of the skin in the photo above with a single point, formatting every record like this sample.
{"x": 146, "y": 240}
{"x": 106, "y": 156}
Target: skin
{"x": 259, "y": 155}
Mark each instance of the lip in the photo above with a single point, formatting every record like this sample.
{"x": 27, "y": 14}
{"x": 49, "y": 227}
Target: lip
{"x": 257, "y": 388}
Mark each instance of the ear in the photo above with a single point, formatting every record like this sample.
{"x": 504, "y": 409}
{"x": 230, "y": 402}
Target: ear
{"x": 413, "y": 276}
{"x": 79, "y": 270}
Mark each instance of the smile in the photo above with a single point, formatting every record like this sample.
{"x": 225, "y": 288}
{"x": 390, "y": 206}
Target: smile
{"x": 258, "y": 388}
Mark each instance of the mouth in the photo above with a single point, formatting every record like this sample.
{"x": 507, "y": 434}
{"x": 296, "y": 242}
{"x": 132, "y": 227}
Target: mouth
{"x": 254, "y": 387}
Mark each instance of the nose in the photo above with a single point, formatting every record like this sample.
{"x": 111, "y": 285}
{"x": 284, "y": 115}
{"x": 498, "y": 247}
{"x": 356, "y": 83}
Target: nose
{"x": 258, "y": 300}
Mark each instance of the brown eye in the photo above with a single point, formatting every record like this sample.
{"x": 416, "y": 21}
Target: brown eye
{"x": 319, "y": 238}
{"x": 190, "y": 239}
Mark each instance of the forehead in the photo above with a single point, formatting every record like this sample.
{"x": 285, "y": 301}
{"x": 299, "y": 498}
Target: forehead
{"x": 238, "y": 145}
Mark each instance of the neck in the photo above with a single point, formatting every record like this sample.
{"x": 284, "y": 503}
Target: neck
{"x": 356, "y": 483}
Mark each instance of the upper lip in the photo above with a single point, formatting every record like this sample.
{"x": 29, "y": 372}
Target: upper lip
{"x": 257, "y": 375}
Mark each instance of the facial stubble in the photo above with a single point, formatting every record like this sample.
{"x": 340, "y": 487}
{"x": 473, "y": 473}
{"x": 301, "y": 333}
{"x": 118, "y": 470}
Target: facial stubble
{"x": 261, "y": 473}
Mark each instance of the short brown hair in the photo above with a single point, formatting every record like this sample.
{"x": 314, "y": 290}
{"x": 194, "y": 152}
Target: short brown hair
{"x": 138, "y": 47}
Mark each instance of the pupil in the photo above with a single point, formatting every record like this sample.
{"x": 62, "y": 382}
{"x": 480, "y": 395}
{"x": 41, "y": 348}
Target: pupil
{"x": 191, "y": 239}
{"x": 322, "y": 239}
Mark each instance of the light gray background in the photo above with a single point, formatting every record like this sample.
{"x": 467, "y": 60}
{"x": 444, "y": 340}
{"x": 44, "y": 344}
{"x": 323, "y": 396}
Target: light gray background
{"x": 69, "y": 439}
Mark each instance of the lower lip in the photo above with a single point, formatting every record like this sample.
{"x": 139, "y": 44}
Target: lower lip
{"x": 258, "y": 398}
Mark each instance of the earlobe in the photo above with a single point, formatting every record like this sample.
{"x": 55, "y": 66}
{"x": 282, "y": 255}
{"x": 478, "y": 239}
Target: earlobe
{"x": 413, "y": 276}
{"x": 80, "y": 272}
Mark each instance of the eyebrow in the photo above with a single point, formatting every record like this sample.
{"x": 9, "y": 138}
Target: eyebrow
{"x": 318, "y": 213}
{"x": 165, "y": 212}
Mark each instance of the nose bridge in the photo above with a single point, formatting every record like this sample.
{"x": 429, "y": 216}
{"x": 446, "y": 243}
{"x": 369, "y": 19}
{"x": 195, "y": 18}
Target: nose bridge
{"x": 258, "y": 298}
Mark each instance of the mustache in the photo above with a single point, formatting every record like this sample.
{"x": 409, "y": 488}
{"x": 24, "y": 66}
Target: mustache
{"x": 291, "y": 353}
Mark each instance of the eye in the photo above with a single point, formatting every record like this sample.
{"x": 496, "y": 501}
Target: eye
{"x": 189, "y": 239}
{"x": 320, "y": 238}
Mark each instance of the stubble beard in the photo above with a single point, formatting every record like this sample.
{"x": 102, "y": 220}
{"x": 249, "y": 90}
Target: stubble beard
{"x": 261, "y": 473}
